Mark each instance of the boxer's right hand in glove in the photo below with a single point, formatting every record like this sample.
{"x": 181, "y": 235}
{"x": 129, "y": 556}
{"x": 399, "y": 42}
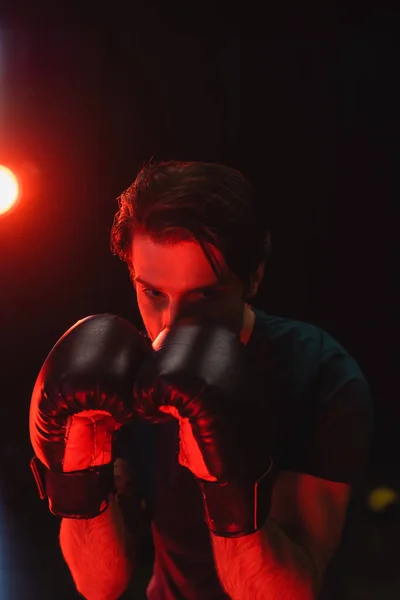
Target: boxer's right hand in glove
{"x": 83, "y": 394}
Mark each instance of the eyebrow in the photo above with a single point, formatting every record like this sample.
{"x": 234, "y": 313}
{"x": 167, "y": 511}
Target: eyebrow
{"x": 216, "y": 284}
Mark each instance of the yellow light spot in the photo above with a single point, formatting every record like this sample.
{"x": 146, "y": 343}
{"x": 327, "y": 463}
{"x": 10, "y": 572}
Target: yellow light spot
{"x": 381, "y": 497}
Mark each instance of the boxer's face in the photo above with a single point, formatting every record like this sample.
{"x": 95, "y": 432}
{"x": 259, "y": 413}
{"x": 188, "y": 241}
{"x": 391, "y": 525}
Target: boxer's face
{"x": 172, "y": 279}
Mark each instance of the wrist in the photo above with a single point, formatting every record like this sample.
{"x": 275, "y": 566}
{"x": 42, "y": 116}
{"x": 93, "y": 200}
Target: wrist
{"x": 75, "y": 495}
{"x": 238, "y": 508}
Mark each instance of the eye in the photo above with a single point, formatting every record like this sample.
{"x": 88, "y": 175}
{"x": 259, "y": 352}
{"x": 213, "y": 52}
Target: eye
{"x": 153, "y": 294}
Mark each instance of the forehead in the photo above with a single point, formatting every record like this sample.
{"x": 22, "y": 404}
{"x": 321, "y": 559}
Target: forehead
{"x": 175, "y": 266}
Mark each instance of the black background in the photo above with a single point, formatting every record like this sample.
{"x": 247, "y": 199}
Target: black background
{"x": 305, "y": 103}
{"x": 306, "y": 108}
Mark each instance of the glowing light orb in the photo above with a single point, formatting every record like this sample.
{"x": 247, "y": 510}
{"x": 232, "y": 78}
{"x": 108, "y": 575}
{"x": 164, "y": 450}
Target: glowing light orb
{"x": 382, "y": 497}
{"x": 9, "y": 189}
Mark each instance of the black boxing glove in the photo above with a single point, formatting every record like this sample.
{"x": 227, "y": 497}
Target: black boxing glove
{"x": 213, "y": 383}
{"x": 83, "y": 394}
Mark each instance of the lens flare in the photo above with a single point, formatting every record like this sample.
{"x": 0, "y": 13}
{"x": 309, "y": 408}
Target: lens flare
{"x": 9, "y": 189}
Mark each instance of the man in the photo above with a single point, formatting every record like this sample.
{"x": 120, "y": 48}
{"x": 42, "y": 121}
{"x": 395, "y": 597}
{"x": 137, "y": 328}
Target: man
{"x": 196, "y": 249}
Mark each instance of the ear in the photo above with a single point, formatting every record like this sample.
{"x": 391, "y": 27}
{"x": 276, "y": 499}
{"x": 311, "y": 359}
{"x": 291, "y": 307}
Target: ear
{"x": 256, "y": 280}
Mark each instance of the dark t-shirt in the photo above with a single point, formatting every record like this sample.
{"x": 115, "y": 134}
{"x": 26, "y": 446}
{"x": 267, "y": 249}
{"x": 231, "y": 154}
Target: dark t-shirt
{"x": 324, "y": 417}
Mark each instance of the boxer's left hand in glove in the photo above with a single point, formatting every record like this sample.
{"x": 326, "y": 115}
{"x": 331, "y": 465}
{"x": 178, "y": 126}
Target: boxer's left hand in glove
{"x": 204, "y": 376}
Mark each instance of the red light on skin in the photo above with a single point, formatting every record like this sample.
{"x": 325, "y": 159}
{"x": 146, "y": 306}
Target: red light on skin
{"x": 9, "y": 190}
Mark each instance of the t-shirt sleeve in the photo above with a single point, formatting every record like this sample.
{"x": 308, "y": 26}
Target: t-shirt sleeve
{"x": 336, "y": 439}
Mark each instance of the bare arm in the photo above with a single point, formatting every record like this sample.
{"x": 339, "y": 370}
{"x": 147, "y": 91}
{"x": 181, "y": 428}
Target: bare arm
{"x": 288, "y": 557}
{"x": 100, "y": 552}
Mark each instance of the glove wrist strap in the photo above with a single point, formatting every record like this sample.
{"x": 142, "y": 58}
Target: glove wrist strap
{"x": 236, "y": 509}
{"x": 76, "y": 495}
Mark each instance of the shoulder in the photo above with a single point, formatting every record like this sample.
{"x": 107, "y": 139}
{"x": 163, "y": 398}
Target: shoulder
{"x": 306, "y": 351}
{"x": 325, "y": 411}
{"x": 293, "y": 341}
{"x": 295, "y": 350}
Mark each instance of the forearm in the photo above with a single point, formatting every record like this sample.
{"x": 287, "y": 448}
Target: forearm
{"x": 265, "y": 565}
{"x": 98, "y": 553}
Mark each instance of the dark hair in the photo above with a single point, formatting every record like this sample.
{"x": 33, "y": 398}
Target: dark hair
{"x": 197, "y": 201}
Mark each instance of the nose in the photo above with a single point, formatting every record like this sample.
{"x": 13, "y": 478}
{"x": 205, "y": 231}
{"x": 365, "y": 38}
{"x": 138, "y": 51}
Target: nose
{"x": 160, "y": 339}
{"x": 171, "y": 314}
{"x": 175, "y": 311}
